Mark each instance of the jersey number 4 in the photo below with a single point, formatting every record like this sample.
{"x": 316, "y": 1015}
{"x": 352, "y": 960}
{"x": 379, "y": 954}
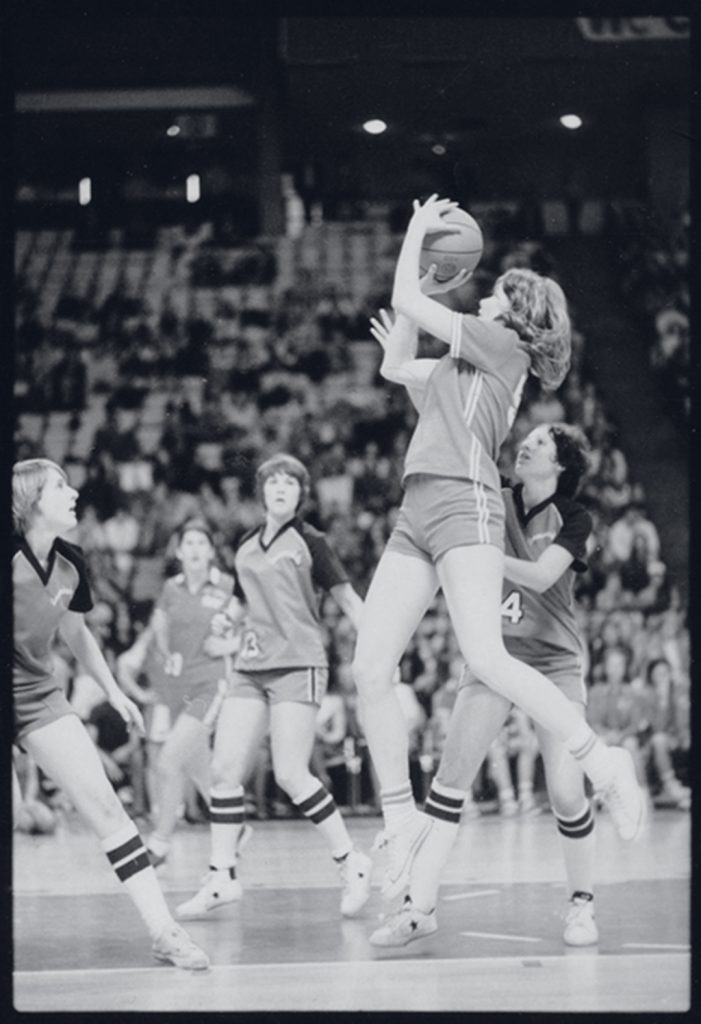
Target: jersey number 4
{"x": 511, "y": 607}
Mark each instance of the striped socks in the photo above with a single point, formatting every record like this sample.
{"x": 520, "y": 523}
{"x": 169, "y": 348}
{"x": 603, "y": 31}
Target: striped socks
{"x": 578, "y": 848}
{"x": 127, "y": 854}
{"x": 398, "y": 807}
{"x": 317, "y": 804}
{"x": 226, "y": 817}
{"x": 444, "y": 806}
{"x": 593, "y": 755}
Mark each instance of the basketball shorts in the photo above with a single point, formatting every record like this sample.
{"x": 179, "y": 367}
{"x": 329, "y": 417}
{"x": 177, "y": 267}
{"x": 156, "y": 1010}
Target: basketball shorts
{"x": 33, "y": 710}
{"x": 276, "y": 686}
{"x": 439, "y": 513}
{"x": 565, "y": 671}
{"x": 205, "y": 703}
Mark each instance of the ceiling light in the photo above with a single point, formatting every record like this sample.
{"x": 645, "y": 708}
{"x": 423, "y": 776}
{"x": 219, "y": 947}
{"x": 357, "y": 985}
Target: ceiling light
{"x": 173, "y": 130}
{"x": 375, "y": 126}
{"x": 571, "y": 121}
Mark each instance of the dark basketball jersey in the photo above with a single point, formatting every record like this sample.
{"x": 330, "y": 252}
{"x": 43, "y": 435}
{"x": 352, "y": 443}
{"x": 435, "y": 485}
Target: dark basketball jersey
{"x": 533, "y": 622}
{"x": 279, "y": 583}
{"x": 189, "y": 618}
{"x": 469, "y": 404}
{"x": 41, "y": 597}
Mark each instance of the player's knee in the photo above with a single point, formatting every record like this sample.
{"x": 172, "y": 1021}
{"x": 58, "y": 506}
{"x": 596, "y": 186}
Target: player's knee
{"x": 104, "y": 811}
{"x": 568, "y": 800}
{"x": 291, "y": 778}
{"x": 223, "y": 773}
{"x": 370, "y": 677}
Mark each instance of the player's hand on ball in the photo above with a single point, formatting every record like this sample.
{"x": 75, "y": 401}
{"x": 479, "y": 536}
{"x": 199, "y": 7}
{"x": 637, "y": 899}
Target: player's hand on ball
{"x": 129, "y": 711}
{"x": 429, "y": 285}
{"x": 380, "y": 328}
{"x": 429, "y": 216}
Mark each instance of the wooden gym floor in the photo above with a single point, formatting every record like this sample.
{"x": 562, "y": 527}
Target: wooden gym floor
{"x": 79, "y": 945}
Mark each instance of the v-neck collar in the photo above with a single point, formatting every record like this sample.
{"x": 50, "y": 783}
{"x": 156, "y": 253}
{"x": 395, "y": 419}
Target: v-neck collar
{"x": 43, "y": 574}
{"x": 285, "y": 526}
{"x": 524, "y": 516}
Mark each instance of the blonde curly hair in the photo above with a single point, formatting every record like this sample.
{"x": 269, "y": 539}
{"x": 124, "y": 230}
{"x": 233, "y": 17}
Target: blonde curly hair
{"x": 28, "y": 479}
{"x": 538, "y": 313}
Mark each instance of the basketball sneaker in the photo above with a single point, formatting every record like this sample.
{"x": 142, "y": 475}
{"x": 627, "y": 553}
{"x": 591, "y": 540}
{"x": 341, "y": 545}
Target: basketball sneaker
{"x": 623, "y": 796}
{"x": 401, "y": 848}
{"x": 219, "y": 890}
{"x": 355, "y": 874}
{"x": 404, "y": 926}
{"x": 580, "y": 926}
{"x": 174, "y": 946}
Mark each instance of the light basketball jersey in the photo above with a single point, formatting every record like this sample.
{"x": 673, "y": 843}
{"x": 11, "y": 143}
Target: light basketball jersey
{"x": 41, "y": 598}
{"x": 278, "y": 583}
{"x": 470, "y": 402}
{"x": 189, "y": 618}
{"x": 531, "y": 621}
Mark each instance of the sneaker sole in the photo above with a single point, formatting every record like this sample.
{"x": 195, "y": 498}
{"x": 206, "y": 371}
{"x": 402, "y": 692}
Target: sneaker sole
{"x": 200, "y": 915}
{"x": 390, "y": 890}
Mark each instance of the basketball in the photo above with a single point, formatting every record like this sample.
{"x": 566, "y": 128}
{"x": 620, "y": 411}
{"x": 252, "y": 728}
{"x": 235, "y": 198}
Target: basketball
{"x": 453, "y": 251}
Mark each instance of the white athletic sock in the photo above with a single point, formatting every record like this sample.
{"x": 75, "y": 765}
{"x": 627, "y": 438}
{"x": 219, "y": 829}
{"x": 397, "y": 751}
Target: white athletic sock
{"x": 578, "y": 846}
{"x": 398, "y": 807}
{"x": 127, "y": 855}
{"x": 226, "y": 817}
{"x": 444, "y": 806}
{"x": 316, "y": 803}
{"x": 593, "y": 755}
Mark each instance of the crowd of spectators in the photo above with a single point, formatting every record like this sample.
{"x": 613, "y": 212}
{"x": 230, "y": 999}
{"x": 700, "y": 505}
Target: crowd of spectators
{"x": 655, "y": 279}
{"x": 264, "y": 371}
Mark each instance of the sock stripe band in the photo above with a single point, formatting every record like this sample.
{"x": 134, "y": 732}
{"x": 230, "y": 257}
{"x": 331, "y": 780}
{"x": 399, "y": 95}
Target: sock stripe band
{"x": 314, "y": 800}
{"x": 577, "y": 828}
{"x": 235, "y": 818}
{"x": 439, "y": 812}
{"x": 120, "y": 852}
{"x": 446, "y": 801}
{"x": 131, "y": 867}
{"x": 225, "y": 801}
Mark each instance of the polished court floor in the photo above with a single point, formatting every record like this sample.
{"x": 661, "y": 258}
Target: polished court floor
{"x": 79, "y": 945}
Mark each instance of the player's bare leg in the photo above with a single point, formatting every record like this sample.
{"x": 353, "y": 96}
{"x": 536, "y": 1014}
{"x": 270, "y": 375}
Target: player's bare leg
{"x": 399, "y": 595}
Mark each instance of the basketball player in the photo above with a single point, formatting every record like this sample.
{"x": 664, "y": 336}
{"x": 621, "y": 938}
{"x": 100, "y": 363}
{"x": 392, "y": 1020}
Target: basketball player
{"x": 450, "y": 528}
{"x": 546, "y": 537}
{"x": 194, "y": 666}
{"x": 280, "y": 675}
{"x": 51, "y": 592}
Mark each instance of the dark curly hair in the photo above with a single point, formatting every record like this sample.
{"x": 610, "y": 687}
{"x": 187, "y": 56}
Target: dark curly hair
{"x": 572, "y": 454}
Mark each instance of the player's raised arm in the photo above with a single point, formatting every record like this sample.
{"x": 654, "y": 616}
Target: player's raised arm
{"x": 407, "y": 295}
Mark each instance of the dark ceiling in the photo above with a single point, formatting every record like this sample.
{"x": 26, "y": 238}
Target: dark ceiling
{"x": 457, "y": 81}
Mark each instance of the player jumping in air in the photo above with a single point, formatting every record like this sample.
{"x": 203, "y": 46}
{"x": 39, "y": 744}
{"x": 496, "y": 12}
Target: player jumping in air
{"x": 280, "y": 675}
{"x": 546, "y": 537}
{"x": 450, "y": 529}
{"x": 51, "y": 592}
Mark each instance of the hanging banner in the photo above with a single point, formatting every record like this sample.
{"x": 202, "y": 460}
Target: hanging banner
{"x": 623, "y": 30}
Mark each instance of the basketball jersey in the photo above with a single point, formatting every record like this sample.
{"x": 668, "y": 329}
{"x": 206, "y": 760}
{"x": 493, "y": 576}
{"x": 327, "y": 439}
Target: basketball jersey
{"x": 531, "y": 622}
{"x": 470, "y": 402}
{"x": 41, "y": 598}
{"x": 278, "y": 583}
{"x": 189, "y": 618}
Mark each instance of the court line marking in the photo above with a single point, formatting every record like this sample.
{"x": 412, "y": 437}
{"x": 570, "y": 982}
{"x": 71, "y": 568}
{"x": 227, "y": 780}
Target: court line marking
{"x": 469, "y": 895}
{"x": 496, "y": 935}
{"x": 684, "y": 946}
{"x": 380, "y": 962}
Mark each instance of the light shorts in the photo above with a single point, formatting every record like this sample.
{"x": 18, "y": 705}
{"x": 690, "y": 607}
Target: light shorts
{"x": 440, "y": 512}
{"x": 32, "y": 711}
{"x": 564, "y": 671}
{"x": 275, "y": 686}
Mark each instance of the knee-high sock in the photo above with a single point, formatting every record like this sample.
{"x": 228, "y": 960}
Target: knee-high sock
{"x": 226, "y": 817}
{"x": 316, "y": 803}
{"x": 444, "y": 806}
{"x": 578, "y": 846}
{"x": 127, "y": 854}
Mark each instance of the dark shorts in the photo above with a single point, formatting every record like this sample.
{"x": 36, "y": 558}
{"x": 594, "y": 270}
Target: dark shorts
{"x": 439, "y": 513}
{"x": 275, "y": 686}
{"x": 33, "y": 709}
